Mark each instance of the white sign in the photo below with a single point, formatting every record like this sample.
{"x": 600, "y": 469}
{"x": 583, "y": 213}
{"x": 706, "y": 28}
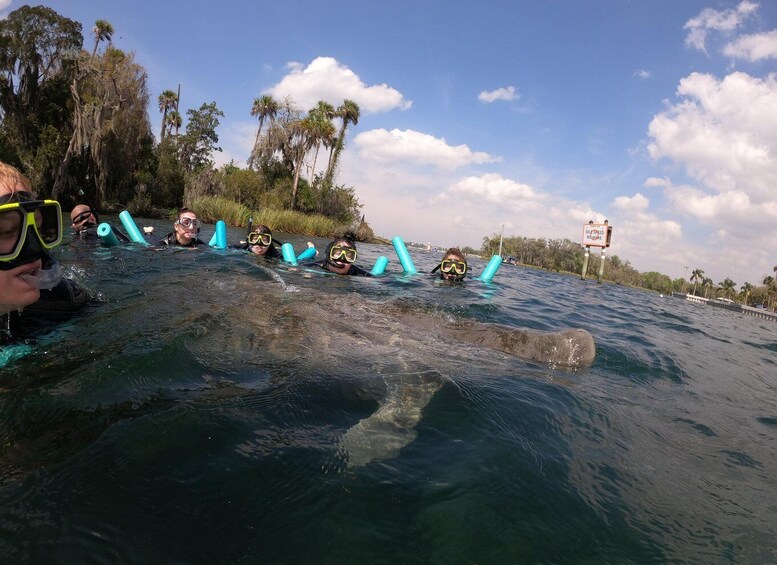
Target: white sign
{"x": 597, "y": 235}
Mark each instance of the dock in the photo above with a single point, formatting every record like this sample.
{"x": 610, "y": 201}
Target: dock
{"x": 733, "y": 306}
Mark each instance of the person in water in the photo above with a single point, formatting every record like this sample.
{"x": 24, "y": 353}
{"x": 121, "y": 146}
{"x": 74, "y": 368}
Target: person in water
{"x": 453, "y": 266}
{"x": 186, "y": 228}
{"x": 29, "y": 229}
{"x": 260, "y": 242}
{"x": 340, "y": 258}
{"x": 84, "y": 221}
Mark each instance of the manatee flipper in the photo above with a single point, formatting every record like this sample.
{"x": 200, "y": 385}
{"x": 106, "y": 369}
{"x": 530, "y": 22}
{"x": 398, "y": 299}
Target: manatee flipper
{"x": 392, "y": 426}
{"x": 569, "y": 348}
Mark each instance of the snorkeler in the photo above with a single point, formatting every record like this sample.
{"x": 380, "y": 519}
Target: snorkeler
{"x": 186, "y": 228}
{"x": 29, "y": 229}
{"x": 340, "y": 256}
{"x": 453, "y": 266}
{"x": 84, "y": 223}
{"x": 260, "y": 241}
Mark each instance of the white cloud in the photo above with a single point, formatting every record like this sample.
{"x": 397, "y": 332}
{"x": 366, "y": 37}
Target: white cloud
{"x": 4, "y": 4}
{"x": 642, "y": 73}
{"x": 753, "y": 47}
{"x": 636, "y": 203}
{"x": 418, "y": 148}
{"x": 508, "y": 93}
{"x": 495, "y": 188}
{"x": 724, "y": 132}
{"x": 710, "y": 19}
{"x": 326, "y": 79}
{"x": 655, "y": 181}
{"x": 236, "y": 140}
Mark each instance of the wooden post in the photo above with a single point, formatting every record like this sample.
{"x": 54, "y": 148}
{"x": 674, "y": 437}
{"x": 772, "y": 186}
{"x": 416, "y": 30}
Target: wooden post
{"x": 601, "y": 267}
{"x": 585, "y": 262}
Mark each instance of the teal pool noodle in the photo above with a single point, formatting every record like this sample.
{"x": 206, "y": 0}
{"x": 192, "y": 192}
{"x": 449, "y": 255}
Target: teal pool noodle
{"x": 491, "y": 268}
{"x": 11, "y": 353}
{"x": 380, "y": 266}
{"x": 132, "y": 229}
{"x": 105, "y": 231}
{"x": 404, "y": 256}
{"x": 309, "y": 253}
{"x": 219, "y": 239}
{"x": 288, "y": 253}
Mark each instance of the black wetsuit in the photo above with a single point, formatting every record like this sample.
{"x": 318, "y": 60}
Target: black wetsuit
{"x": 354, "y": 271}
{"x": 55, "y": 305}
{"x": 271, "y": 253}
{"x": 90, "y": 232}
{"x": 172, "y": 241}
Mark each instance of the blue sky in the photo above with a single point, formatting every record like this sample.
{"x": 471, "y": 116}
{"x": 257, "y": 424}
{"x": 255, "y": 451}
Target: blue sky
{"x": 660, "y": 116}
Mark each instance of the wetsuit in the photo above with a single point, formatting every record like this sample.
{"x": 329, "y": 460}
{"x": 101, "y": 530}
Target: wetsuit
{"x": 354, "y": 271}
{"x": 55, "y": 304}
{"x": 271, "y": 253}
{"x": 172, "y": 241}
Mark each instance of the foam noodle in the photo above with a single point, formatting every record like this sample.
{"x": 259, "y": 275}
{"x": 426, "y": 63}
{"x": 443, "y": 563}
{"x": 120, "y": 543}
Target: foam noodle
{"x": 132, "y": 229}
{"x": 404, "y": 256}
{"x": 105, "y": 231}
{"x": 288, "y": 253}
{"x": 219, "y": 239}
{"x": 309, "y": 253}
{"x": 380, "y": 266}
{"x": 491, "y": 268}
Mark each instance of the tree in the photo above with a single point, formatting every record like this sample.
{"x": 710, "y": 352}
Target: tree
{"x": 349, "y": 113}
{"x": 728, "y": 287}
{"x": 768, "y": 282}
{"x": 697, "y": 276}
{"x": 747, "y": 289}
{"x": 103, "y": 31}
{"x": 110, "y": 117}
{"x": 200, "y": 139}
{"x": 37, "y": 48}
{"x": 173, "y": 121}
{"x": 320, "y": 129}
{"x": 264, "y": 107}
{"x": 707, "y": 284}
{"x": 168, "y": 101}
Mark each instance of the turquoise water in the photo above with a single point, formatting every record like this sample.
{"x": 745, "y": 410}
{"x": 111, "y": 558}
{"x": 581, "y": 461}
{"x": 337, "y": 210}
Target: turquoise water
{"x": 213, "y": 408}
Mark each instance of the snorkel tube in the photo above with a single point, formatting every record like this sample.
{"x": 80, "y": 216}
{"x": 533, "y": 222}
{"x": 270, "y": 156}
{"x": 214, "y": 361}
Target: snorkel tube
{"x": 105, "y": 231}
{"x": 219, "y": 239}
{"x": 132, "y": 229}
{"x": 403, "y": 255}
{"x": 491, "y": 268}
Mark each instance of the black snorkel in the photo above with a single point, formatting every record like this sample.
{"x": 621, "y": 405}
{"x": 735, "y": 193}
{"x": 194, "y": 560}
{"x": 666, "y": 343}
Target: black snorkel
{"x": 92, "y": 209}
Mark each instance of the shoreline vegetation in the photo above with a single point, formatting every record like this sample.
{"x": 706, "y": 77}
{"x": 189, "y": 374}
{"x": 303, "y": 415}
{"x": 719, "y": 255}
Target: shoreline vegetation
{"x": 74, "y": 119}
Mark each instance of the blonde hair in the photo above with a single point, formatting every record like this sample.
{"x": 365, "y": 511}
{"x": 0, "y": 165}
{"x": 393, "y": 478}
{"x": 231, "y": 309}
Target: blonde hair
{"x": 12, "y": 180}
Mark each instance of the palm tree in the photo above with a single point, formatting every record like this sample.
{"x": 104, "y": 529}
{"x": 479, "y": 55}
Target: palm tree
{"x": 173, "y": 121}
{"x": 697, "y": 276}
{"x": 728, "y": 286}
{"x": 320, "y": 129}
{"x": 298, "y": 143}
{"x": 168, "y": 101}
{"x": 707, "y": 284}
{"x": 349, "y": 113}
{"x": 264, "y": 107}
{"x": 103, "y": 30}
{"x": 768, "y": 282}
{"x": 747, "y": 288}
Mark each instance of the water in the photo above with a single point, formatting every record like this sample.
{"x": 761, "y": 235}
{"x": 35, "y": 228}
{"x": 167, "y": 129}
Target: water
{"x": 212, "y": 409}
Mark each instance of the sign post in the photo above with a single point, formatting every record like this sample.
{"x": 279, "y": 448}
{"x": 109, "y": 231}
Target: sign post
{"x": 596, "y": 235}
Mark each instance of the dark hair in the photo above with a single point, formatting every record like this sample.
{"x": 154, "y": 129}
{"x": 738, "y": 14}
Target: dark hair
{"x": 455, "y": 252}
{"x": 183, "y": 210}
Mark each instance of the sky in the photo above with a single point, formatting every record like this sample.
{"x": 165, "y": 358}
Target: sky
{"x": 532, "y": 117}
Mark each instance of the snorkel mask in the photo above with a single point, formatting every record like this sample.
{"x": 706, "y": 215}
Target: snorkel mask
{"x": 340, "y": 253}
{"x": 452, "y": 269}
{"x": 29, "y": 229}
